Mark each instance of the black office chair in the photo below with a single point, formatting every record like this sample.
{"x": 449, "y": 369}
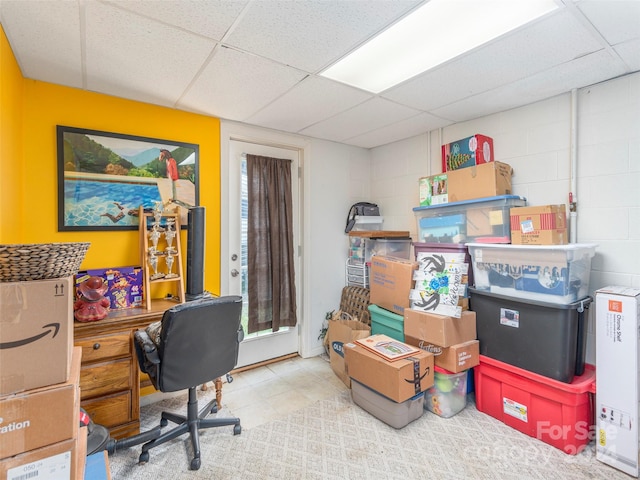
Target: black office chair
{"x": 195, "y": 342}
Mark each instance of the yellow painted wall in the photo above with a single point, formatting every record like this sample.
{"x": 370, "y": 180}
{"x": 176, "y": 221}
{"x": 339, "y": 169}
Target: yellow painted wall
{"x": 11, "y": 96}
{"x": 44, "y": 106}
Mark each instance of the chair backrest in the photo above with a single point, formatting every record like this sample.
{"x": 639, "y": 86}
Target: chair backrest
{"x": 199, "y": 342}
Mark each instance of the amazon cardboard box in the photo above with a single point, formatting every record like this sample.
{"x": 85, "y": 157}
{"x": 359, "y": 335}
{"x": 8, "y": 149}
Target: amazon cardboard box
{"x": 456, "y": 358}
{"x": 441, "y": 330}
{"x": 398, "y": 380}
{"x": 36, "y": 333}
{"x": 390, "y": 282}
{"x": 36, "y": 418}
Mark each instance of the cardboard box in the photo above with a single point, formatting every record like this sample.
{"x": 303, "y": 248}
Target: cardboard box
{"x": 391, "y": 280}
{"x": 440, "y": 330}
{"x": 125, "y": 285}
{"x": 467, "y": 152}
{"x": 58, "y": 461}
{"x": 36, "y": 333}
{"x": 471, "y": 183}
{"x": 617, "y": 365}
{"x": 543, "y": 225}
{"x": 43, "y": 416}
{"x": 81, "y": 449}
{"x": 339, "y": 332}
{"x": 456, "y": 358}
{"x": 399, "y": 380}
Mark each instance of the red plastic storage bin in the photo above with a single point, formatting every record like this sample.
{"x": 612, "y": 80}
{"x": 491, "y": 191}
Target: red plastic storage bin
{"x": 558, "y": 413}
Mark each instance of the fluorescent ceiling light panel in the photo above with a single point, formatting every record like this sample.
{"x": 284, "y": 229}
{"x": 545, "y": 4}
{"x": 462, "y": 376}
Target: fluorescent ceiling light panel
{"x": 436, "y": 32}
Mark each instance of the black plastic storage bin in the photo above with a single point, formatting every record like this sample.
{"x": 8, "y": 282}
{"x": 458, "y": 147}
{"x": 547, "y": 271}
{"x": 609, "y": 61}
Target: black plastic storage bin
{"x": 544, "y": 338}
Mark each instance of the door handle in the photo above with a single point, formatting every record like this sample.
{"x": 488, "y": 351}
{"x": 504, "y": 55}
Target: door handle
{"x": 235, "y": 273}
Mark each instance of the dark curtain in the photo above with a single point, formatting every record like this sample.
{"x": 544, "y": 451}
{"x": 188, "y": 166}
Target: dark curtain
{"x": 271, "y": 283}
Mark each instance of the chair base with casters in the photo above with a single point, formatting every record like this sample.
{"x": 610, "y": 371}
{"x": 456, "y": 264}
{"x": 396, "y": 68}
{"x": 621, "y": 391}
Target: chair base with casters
{"x": 194, "y": 343}
{"x": 192, "y": 423}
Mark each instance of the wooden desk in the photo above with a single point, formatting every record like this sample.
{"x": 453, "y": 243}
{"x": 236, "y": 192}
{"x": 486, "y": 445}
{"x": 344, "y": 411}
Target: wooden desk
{"x": 110, "y": 375}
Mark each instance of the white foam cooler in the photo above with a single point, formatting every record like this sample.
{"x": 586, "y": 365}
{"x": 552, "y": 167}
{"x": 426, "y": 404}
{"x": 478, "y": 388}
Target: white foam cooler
{"x": 392, "y": 413}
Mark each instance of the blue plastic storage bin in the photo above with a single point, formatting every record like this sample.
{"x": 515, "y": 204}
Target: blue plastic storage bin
{"x": 479, "y": 220}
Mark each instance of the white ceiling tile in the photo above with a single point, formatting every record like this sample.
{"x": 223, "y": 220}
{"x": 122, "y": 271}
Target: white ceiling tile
{"x": 43, "y": 50}
{"x": 132, "y": 56}
{"x": 211, "y": 18}
{"x": 311, "y": 34}
{"x": 616, "y": 23}
{"x": 234, "y": 85}
{"x": 578, "y": 73}
{"x": 398, "y": 131}
{"x": 300, "y": 108}
{"x": 367, "y": 116}
{"x": 630, "y": 53}
{"x": 556, "y": 40}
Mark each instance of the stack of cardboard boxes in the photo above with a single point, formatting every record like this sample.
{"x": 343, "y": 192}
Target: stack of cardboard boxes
{"x": 40, "y": 434}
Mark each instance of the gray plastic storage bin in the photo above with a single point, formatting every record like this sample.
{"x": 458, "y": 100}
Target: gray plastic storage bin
{"x": 392, "y": 413}
{"x": 544, "y": 338}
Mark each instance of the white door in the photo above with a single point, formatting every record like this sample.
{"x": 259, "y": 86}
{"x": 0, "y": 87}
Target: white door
{"x": 261, "y": 346}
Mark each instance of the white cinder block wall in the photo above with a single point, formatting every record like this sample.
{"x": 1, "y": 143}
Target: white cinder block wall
{"x": 536, "y": 141}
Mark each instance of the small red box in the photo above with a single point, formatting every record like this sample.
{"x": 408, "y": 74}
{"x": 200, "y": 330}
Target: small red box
{"x": 558, "y": 413}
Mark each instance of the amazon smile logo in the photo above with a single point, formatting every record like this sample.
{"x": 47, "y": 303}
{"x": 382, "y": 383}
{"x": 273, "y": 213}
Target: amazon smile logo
{"x": 52, "y": 328}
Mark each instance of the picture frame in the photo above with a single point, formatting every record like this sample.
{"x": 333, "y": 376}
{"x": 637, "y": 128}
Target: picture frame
{"x": 104, "y": 177}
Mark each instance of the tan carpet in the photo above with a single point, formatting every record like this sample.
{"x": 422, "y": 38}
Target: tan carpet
{"x": 336, "y": 439}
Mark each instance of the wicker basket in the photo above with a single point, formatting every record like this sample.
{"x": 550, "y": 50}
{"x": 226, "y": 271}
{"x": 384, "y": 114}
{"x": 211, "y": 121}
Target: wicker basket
{"x": 40, "y": 261}
{"x": 355, "y": 302}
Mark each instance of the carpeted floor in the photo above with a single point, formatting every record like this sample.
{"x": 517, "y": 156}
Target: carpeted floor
{"x": 336, "y": 439}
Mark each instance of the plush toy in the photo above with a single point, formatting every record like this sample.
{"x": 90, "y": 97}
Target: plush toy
{"x": 91, "y": 304}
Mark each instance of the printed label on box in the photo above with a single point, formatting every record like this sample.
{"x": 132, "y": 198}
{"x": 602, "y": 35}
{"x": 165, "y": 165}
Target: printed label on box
{"x": 613, "y": 327}
{"x": 510, "y": 318}
{"x": 515, "y": 409}
{"x": 56, "y": 467}
{"x": 526, "y": 226}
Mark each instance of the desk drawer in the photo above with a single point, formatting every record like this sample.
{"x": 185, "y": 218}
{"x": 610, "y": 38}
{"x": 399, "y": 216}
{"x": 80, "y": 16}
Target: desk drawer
{"x": 110, "y": 411}
{"x": 107, "y": 346}
{"x": 105, "y": 378}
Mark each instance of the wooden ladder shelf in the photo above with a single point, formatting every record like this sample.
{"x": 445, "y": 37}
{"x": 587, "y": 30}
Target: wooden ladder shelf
{"x": 154, "y": 244}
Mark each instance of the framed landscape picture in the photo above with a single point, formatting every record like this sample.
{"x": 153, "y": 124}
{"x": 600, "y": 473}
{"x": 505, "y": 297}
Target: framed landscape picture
{"x": 104, "y": 178}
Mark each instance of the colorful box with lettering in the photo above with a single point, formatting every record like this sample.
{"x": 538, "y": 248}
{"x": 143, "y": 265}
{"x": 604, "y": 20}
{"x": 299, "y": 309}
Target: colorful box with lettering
{"x": 617, "y": 366}
{"x": 125, "y": 285}
{"x": 474, "y": 150}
